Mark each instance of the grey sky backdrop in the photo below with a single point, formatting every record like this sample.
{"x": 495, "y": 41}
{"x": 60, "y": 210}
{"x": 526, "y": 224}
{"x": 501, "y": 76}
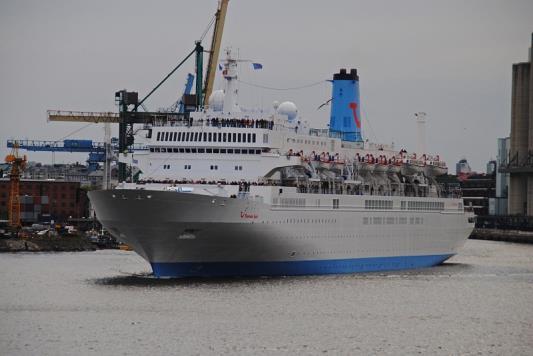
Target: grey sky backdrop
{"x": 451, "y": 59}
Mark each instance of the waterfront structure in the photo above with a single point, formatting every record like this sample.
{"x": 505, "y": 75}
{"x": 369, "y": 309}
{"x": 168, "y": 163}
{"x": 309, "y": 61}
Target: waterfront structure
{"x": 44, "y": 200}
{"x": 520, "y": 161}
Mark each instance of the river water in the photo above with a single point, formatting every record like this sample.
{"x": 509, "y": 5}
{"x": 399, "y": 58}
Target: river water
{"x": 104, "y": 303}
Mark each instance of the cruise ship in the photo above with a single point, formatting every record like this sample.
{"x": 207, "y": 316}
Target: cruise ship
{"x": 226, "y": 191}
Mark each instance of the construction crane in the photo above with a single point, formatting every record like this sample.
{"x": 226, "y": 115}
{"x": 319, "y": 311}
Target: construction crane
{"x": 97, "y": 150}
{"x": 17, "y": 166}
{"x": 179, "y": 105}
{"x": 128, "y": 102}
{"x": 216, "y": 41}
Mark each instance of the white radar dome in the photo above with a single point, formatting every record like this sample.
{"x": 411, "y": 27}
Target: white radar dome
{"x": 288, "y": 108}
{"x": 216, "y": 100}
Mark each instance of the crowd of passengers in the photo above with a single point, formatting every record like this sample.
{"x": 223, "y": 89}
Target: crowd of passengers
{"x": 247, "y": 123}
{"x": 222, "y": 122}
{"x": 211, "y": 182}
{"x": 328, "y": 157}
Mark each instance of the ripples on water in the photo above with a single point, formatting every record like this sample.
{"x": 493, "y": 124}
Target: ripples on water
{"x": 106, "y": 302}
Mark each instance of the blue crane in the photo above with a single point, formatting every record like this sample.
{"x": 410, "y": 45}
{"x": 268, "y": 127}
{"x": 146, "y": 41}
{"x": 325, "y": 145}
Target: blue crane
{"x": 96, "y": 150}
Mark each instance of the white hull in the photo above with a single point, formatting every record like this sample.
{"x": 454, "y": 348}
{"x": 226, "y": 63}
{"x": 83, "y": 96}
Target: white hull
{"x": 186, "y": 233}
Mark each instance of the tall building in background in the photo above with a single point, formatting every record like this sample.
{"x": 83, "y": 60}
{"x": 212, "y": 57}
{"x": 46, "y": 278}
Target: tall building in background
{"x": 520, "y": 160}
{"x": 462, "y": 167}
{"x": 502, "y": 179}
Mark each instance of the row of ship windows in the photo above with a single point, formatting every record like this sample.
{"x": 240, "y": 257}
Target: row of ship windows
{"x": 243, "y": 151}
{"x": 393, "y": 220}
{"x": 375, "y": 204}
{"x": 302, "y": 221}
{"x": 422, "y": 205}
{"x": 369, "y": 204}
{"x": 208, "y": 137}
{"x": 212, "y": 167}
{"x": 307, "y": 142}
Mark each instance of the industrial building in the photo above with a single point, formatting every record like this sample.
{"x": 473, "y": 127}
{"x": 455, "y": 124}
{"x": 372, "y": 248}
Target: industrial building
{"x": 520, "y": 159}
{"x": 42, "y": 200}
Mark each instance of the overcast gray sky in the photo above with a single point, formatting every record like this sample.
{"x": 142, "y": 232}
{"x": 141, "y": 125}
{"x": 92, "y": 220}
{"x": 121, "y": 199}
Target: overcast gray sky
{"x": 451, "y": 59}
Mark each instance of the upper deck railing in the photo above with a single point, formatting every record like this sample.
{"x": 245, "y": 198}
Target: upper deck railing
{"x": 218, "y": 122}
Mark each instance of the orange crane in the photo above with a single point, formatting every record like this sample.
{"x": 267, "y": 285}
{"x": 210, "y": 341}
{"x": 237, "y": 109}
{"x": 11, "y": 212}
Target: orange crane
{"x": 18, "y": 163}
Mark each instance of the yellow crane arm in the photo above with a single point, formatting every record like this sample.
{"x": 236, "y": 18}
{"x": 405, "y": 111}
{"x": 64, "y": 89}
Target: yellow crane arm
{"x": 215, "y": 49}
{"x": 83, "y": 116}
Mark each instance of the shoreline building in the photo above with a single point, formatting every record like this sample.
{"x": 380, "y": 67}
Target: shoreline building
{"x": 520, "y": 159}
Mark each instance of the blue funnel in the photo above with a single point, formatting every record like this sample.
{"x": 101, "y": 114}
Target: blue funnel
{"x": 345, "y": 120}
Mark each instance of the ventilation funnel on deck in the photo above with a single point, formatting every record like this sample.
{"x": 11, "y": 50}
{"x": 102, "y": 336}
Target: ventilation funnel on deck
{"x": 345, "y": 120}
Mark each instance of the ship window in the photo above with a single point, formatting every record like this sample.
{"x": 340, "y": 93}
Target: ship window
{"x": 249, "y": 137}
{"x": 157, "y": 150}
{"x": 215, "y": 150}
{"x": 175, "y": 150}
{"x": 151, "y": 149}
{"x": 239, "y": 137}
{"x": 179, "y": 136}
{"x": 230, "y": 150}
{"x": 209, "y": 137}
{"x": 222, "y": 150}
{"x": 219, "y": 137}
{"x": 234, "y": 137}
{"x": 201, "y": 150}
{"x": 253, "y": 138}
{"x": 244, "y": 152}
{"x": 166, "y": 136}
{"x": 237, "y": 151}
{"x": 208, "y": 150}
{"x": 205, "y": 136}
{"x": 224, "y": 137}
{"x": 193, "y": 150}
{"x": 214, "y": 167}
{"x": 196, "y": 136}
{"x": 187, "y": 150}
{"x": 163, "y": 149}
{"x": 182, "y": 150}
{"x": 335, "y": 203}
{"x": 251, "y": 152}
{"x": 175, "y": 136}
{"x": 158, "y": 136}
{"x": 187, "y": 136}
{"x": 257, "y": 152}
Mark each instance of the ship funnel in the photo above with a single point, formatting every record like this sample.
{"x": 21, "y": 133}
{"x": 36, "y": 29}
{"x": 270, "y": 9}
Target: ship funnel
{"x": 345, "y": 120}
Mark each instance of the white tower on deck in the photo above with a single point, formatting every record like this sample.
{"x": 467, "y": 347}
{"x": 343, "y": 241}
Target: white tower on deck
{"x": 231, "y": 91}
{"x": 421, "y": 127}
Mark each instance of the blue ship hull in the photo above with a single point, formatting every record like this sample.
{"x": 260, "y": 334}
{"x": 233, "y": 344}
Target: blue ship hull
{"x": 295, "y": 268}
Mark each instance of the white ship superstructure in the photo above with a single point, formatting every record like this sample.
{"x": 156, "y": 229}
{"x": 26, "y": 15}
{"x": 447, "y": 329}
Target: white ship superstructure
{"x": 229, "y": 191}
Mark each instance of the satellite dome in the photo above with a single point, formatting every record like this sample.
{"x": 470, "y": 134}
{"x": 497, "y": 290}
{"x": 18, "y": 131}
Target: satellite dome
{"x": 216, "y": 100}
{"x": 288, "y": 108}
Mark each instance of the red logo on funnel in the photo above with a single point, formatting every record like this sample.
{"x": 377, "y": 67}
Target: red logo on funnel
{"x": 353, "y": 106}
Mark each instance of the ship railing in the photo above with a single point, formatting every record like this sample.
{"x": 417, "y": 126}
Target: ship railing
{"x": 218, "y": 123}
